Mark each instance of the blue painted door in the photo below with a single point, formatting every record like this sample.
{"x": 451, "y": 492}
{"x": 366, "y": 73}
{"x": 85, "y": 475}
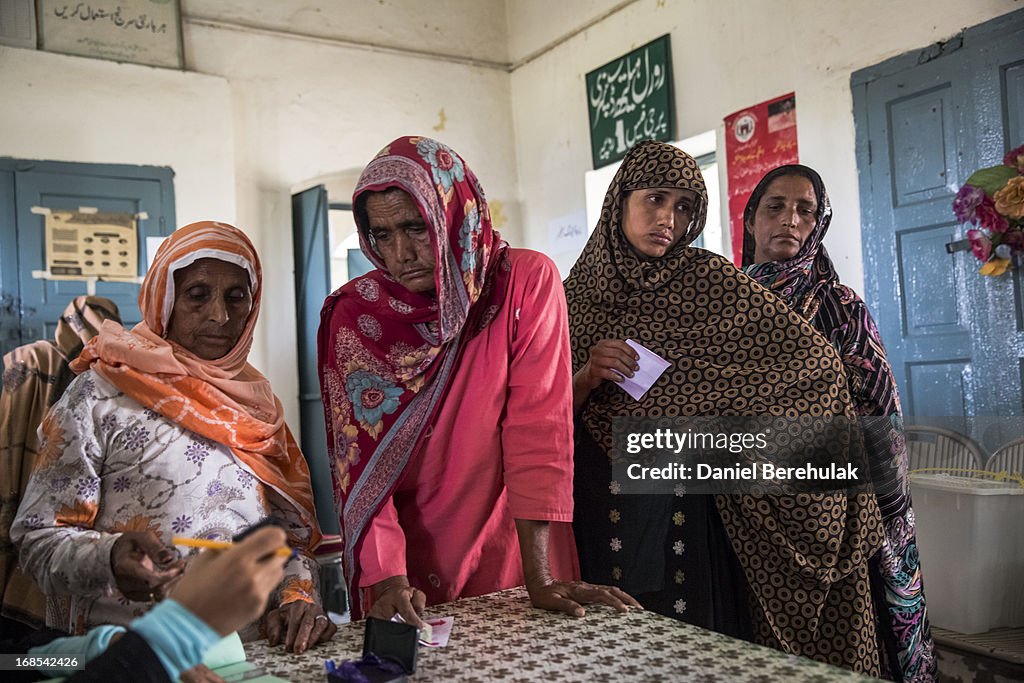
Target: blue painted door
{"x": 37, "y": 303}
{"x": 311, "y": 239}
{"x": 925, "y": 122}
{"x": 10, "y": 297}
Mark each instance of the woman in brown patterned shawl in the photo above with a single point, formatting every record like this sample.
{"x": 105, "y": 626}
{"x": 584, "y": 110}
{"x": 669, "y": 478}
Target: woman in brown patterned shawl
{"x": 34, "y": 377}
{"x": 785, "y": 571}
{"x": 786, "y": 219}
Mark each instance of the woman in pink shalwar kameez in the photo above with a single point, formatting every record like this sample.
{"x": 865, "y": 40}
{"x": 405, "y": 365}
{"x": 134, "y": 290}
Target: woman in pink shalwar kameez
{"x": 447, "y": 389}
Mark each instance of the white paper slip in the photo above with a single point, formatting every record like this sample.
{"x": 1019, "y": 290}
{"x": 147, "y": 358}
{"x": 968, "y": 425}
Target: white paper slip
{"x": 440, "y": 631}
{"x": 435, "y": 633}
{"x": 651, "y": 367}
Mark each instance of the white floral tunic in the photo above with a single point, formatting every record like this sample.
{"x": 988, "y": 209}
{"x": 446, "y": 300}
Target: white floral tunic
{"x": 107, "y": 465}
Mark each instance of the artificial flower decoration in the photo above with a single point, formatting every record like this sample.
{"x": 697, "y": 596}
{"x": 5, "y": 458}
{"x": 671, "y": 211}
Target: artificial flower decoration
{"x": 993, "y": 200}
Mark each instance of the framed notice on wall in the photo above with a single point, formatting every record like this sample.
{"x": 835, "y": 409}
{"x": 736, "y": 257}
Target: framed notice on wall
{"x": 82, "y": 245}
{"x": 630, "y": 99}
{"x": 139, "y": 31}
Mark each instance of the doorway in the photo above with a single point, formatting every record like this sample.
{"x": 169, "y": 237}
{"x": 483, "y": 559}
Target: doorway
{"x": 925, "y": 121}
{"x": 327, "y": 255}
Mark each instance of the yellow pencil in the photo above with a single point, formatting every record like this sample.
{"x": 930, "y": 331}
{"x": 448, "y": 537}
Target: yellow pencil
{"x": 220, "y": 545}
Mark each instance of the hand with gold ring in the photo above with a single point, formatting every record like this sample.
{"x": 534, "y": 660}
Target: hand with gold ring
{"x": 396, "y": 595}
{"x": 299, "y": 625}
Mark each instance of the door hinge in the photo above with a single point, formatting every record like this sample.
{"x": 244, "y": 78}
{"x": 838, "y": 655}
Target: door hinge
{"x": 943, "y": 47}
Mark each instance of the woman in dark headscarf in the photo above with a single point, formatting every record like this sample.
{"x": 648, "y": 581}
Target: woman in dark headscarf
{"x": 787, "y": 571}
{"x": 786, "y": 219}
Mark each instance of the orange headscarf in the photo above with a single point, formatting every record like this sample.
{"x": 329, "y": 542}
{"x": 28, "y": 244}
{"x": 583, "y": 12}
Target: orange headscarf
{"x": 225, "y": 400}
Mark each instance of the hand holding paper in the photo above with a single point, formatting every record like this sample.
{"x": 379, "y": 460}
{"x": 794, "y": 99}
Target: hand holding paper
{"x": 435, "y": 631}
{"x": 651, "y": 367}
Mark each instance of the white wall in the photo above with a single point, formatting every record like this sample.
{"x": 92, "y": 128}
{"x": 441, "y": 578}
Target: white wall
{"x": 304, "y": 110}
{"x": 726, "y": 54}
{"x": 60, "y": 108}
{"x": 536, "y": 24}
{"x": 467, "y": 29}
{"x": 261, "y": 113}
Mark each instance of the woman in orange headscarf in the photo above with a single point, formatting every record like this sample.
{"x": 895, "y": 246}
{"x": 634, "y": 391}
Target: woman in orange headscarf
{"x": 168, "y": 431}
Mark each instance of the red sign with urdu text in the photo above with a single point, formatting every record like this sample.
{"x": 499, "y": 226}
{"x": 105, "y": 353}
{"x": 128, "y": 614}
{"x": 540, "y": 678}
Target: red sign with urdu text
{"x": 757, "y": 139}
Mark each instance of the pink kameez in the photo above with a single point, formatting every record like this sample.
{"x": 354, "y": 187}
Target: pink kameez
{"x": 499, "y": 449}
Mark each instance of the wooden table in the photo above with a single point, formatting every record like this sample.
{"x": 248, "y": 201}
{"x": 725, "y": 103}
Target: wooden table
{"x": 500, "y": 637}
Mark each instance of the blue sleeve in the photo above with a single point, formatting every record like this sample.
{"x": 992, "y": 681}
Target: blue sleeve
{"x": 89, "y": 646}
{"x": 178, "y": 637}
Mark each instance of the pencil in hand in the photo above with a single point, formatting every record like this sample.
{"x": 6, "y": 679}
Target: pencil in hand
{"x": 223, "y": 545}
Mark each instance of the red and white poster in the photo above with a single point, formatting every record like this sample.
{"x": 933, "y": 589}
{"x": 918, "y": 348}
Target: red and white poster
{"x": 757, "y": 139}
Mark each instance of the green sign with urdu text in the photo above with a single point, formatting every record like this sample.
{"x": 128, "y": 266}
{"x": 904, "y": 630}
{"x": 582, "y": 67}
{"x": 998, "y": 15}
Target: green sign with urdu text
{"x": 630, "y": 99}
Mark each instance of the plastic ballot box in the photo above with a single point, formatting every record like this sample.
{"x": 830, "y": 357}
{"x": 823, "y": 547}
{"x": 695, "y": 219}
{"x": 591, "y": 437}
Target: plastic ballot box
{"x": 970, "y": 534}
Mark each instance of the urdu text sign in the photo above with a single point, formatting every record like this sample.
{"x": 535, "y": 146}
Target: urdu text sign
{"x": 139, "y": 31}
{"x": 630, "y": 99}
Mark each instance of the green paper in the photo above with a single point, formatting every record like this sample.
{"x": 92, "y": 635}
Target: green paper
{"x": 226, "y": 651}
{"x": 244, "y": 672}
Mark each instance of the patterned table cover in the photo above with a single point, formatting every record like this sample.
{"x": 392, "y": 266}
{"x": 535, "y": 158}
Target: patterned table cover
{"x": 500, "y": 637}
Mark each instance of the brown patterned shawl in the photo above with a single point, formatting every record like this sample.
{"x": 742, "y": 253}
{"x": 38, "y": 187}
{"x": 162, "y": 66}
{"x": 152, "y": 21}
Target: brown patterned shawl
{"x": 34, "y": 377}
{"x": 808, "y": 282}
{"x": 735, "y": 349}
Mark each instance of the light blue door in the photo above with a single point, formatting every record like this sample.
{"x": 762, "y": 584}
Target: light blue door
{"x": 925, "y": 122}
{"x": 26, "y": 187}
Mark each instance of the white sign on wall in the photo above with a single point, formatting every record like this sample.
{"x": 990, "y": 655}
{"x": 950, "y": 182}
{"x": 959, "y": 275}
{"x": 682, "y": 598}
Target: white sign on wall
{"x": 139, "y": 31}
{"x": 567, "y": 235}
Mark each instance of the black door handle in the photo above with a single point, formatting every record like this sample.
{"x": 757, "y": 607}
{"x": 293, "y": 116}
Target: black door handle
{"x": 958, "y": 245}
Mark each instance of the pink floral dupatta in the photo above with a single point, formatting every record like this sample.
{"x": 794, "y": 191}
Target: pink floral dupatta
{"x": 387, "y": 354}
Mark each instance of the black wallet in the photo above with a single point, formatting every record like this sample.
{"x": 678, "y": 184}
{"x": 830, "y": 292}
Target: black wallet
{"x": 392, "y": 641}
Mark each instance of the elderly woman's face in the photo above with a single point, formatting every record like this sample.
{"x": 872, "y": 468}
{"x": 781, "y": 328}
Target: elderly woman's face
{"x": 653, "y": 219}
{"x": 211, "y": 304}
{"x": 784, "y": 219}
{"x": 402, "y": 239}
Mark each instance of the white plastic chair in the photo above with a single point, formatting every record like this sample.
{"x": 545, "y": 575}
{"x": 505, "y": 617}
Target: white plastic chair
{"x": 936, "y": 447}
{"x": 1008, "y": 458}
